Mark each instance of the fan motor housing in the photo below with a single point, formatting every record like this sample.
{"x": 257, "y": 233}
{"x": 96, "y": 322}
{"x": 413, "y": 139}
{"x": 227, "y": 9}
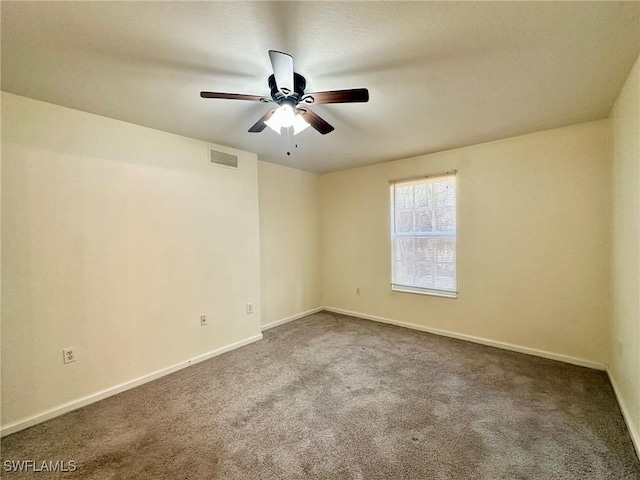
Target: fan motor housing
{"x": 299, "y": 84}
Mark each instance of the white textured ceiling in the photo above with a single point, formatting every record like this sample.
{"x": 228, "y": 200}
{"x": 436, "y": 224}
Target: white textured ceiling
{"x": 440, "y": 74}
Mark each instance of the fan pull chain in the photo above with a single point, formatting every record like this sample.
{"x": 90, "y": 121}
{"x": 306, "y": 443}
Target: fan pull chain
{"x": 288, "y": 142}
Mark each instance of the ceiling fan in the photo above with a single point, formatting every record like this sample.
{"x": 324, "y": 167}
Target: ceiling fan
{"x": 287, "y": 91}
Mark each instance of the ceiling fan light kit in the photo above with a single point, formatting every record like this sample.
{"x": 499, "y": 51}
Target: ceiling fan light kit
{"x": 287, "y": 116}
{"x": 287, "y": 91}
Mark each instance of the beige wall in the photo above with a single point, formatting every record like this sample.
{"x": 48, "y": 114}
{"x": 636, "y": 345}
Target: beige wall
{"x": 533, "y": 242}
{"x": 289, "y": 242}
{"x": 625, "y": 339}
{"x": 116, "y": 238}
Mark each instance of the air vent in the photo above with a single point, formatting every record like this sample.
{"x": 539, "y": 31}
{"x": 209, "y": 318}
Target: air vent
{"x": 222, "y": 159}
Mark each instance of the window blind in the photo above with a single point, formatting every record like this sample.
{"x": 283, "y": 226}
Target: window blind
{"x": 423, "y": 235}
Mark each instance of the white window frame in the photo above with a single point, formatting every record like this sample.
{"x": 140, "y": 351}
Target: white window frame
{"x": 416, "y": 289}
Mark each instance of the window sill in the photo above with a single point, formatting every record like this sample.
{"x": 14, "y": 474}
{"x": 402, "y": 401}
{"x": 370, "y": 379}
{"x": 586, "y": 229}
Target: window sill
{"x": 424, "y": 292}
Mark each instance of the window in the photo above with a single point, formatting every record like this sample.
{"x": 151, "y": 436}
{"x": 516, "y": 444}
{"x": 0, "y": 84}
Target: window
{"x": 423, "y": 235}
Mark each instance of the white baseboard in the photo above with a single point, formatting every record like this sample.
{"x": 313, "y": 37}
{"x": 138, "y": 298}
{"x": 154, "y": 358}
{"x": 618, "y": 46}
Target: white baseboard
{"x": 470, "y": 338}
{"x": 291, "y": 318}
{"x": 108, "y": 392}
{"x": 633, "y": 431}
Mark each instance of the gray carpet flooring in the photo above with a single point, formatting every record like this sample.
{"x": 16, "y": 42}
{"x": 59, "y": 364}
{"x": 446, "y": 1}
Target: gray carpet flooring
{"x": 335, "y": 397}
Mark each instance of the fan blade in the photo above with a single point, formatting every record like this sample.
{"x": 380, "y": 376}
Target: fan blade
{"x": 337, "y": 96}
{"x": 234, "y": 96}
{"x": 315, "y": 121}
{"x": 260, "y": 124}
{"x": 282, "y": 64}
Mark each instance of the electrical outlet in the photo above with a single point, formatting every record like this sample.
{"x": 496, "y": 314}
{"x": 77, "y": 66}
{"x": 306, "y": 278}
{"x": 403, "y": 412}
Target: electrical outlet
{"x": 357, "y": 290}
{"x": 68, "y": 355}
{"x": 249, "y": 308}
{"x": 203, "y": 320}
